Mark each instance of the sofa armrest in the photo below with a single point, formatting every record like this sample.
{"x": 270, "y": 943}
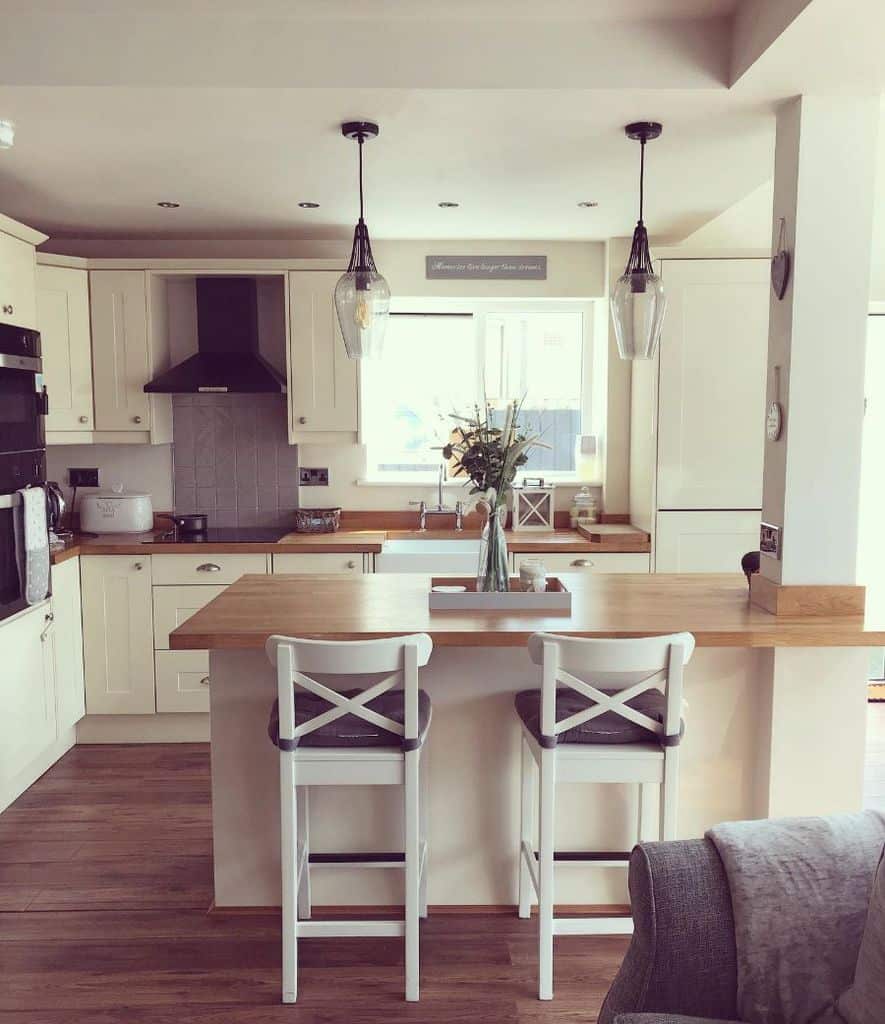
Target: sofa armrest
{"x": 681, "y": 959}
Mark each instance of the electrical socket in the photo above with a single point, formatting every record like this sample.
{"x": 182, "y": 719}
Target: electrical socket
{"x": 83, "y": 477}
{"x": 313, "y": 477}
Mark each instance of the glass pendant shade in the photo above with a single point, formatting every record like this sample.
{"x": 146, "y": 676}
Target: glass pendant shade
{"x": 362, "y": 296}
{"x": 638, "y": 304}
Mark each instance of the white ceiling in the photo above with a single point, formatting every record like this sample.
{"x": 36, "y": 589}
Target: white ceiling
{"x": 513, "y": 108}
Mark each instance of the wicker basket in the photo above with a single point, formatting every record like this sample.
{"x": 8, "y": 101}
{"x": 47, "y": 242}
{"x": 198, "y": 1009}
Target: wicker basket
{"x": 317, "y": 520}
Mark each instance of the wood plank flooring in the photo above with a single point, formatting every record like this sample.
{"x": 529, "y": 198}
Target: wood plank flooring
{"x": 105, "y": 878}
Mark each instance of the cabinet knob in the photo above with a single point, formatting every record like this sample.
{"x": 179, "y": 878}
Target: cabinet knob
{"x": 351, "y": 564}
{"x": 208, "y": 567}
{"x": 204, "y": 681}
{"x": 8, "y": 310}
{"x": 138, "y": 566}
{"x": 582, "y": 563}
{"x": 302, "y": 419}
{"x": 84, "y": 419}
{"x": 136, "y": 419}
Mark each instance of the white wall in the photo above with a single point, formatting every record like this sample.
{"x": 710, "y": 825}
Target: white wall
{"x": 138, "y": 467}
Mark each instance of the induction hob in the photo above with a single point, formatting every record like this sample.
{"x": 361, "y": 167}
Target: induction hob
{"x": 225, "y": 535}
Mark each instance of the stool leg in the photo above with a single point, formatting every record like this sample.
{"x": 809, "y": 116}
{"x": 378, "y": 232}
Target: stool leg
{"x": 526, "y": 837}
{"x": 545, "y": 874}
{"x": 304, "y": 833}
{"x": 670, "y": 793}
{"x": 411, "y": 872}
{"x": 423, "y": 820}
{"x": 288, "y": 853}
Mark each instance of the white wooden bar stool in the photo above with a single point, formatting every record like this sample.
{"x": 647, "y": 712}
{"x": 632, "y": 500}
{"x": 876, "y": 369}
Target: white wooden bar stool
{"x": 607, "y": 711}
{"x": 329, "y": 737}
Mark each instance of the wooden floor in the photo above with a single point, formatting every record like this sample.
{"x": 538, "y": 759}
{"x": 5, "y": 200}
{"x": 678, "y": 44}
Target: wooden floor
{"x": 105, "y": 878}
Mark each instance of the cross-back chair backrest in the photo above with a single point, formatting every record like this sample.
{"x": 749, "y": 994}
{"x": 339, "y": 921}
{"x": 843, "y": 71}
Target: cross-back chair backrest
{"x": 296, "y": 660}
{"x": 627, "y": 667}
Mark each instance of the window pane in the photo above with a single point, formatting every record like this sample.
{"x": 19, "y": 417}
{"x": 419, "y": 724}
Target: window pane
{"x": 536, "y": 358}
{"x": 429, "y": 369}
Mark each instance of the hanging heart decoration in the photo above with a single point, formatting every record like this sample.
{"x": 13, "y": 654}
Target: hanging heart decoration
{"x": 780, "y": 264}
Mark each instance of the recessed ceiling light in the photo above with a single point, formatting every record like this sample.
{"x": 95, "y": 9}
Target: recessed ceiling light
{"x": 309, "y": 206}
{"x": 7, "y": 134}
{"x": 448, "y": 206}
{"x": 588, "y": 202}
{"x": 167, "y": 205}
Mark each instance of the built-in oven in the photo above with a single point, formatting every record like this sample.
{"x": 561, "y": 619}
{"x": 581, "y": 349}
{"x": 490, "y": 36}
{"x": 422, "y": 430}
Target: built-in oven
{"x": 17, "y": 470}
{"x": 23, "y": 401}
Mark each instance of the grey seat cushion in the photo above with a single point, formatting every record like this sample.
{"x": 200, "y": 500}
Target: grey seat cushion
{"x": 667, "y": 1018}
{"x": 348, "y": 730}
{"x": 608, "y": 727}
{"x": 864, "y": 1001}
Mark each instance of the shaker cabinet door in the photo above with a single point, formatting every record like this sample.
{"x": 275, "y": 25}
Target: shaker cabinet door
{"x": 63, "y": 315}
{"x": 322, "y": 380}
{"x": 18, "y": 283}
{"x": 704, "y": 541}
{"x": 713, "y": 359}
{"x": 121, "y": 359}
{"x": 118, "y": 641}
{"x": 66, "y": 608}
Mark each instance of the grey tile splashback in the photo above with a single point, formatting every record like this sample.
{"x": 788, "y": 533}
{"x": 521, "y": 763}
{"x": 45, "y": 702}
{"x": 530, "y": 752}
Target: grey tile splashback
{"x": 232, "y": 459}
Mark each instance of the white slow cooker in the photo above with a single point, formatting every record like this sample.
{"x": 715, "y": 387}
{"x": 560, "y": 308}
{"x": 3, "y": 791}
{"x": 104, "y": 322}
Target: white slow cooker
{"x": 116, "y": 511}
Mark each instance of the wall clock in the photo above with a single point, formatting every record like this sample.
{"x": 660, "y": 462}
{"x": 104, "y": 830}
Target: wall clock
{"x": 774, "y": 421}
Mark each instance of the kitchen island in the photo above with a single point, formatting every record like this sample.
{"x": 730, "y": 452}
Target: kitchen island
{"x": 775, "y": 725}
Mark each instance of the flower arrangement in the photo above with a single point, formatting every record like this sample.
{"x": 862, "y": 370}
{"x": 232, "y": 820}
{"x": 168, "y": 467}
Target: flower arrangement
{"x": 490, "y": 457}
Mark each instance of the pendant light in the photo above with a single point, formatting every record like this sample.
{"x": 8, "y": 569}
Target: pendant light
{"x": 362, "y": 296}
{"x": 638, "y": 301}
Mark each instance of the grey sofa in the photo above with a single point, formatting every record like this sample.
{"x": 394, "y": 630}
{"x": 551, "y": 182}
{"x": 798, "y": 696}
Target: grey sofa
{"x": 681, "y": 967}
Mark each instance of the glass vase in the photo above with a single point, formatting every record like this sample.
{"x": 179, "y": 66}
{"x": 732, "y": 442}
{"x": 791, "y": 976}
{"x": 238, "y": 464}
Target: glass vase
{"x": 493, "y": 572}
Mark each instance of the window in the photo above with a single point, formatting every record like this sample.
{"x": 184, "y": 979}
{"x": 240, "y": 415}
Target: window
{"x": 436, "y": 363}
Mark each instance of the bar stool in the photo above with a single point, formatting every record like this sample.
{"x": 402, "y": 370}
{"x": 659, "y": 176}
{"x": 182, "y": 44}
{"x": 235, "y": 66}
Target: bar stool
{"x": 331, "y": 737}
{"x": 624, "y": 726}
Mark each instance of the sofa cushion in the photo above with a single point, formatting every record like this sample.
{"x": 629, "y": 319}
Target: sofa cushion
{"x": 667, "y": 1018}
{"x": 864, "y": 1002}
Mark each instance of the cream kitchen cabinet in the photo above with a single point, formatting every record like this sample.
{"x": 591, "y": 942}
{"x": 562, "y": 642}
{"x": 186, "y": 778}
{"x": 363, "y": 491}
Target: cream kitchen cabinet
{"x": 320, "y": 562}
{"x": 70, "y": 684}
{"x": 63, "y": 319}
{"x": 28, "y": 723}
{"x": 605, "y": 562}
{"x": 711, "y": 405}
{"x": 704, "y": 541}
{"x": 18, "y": 287}
{"x": 118, "y": 647}
{"x": 182, "y": 681}
{"x": 126, "y": 354}
{"x": 322, "y": 383}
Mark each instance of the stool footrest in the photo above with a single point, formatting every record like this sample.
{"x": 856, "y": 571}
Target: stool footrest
{"x": 592, "y": 925}
{"x": 589, "y": 856}
{"x": 357, "y": 858}
{"x": 349, "y": 929}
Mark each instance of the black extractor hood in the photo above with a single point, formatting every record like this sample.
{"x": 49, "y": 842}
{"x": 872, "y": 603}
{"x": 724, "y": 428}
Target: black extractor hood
{"x": 227, "y": 340}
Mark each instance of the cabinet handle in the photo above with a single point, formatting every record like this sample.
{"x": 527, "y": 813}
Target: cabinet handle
{"x": 138, "y": 566}
{"x": 351, "y": 565}
{"x": 136, "y": 419}
{"x": 204, "y": 681}
{"x": 582, "y": 563}
{"x": 84, "y": 419}
{"x": 208, "y": 567}
{"x": 8, "y": 310}
{"x": 302, "y": 419}
{"x": 50, "y": 618}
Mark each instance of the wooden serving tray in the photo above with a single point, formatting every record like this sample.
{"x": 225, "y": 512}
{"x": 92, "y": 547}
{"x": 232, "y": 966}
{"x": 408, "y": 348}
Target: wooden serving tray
{"x": 555, "y": 599}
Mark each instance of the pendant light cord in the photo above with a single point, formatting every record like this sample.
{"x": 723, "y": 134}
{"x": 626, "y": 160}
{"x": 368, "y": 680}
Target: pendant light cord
{"x": 360, "y": 141}
{"x": 641, "y": 176}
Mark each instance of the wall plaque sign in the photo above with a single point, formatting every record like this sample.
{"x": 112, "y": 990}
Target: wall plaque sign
{"x": 487, "y": 268}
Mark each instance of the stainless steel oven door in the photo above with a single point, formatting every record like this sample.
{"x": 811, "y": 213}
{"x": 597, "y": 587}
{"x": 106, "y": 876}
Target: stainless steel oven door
{"x": 22, "y": 404}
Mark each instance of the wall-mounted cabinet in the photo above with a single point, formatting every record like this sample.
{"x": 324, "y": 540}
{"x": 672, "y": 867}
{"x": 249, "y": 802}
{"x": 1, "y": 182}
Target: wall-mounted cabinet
{"x": 18, "y": 287}
{"x": 322, "y": 381}
{"x": 126, "y": 354}
{"x": 63, "y": 320}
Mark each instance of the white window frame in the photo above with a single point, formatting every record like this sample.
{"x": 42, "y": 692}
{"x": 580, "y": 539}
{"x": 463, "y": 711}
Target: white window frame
{"x": 593, "y": 369}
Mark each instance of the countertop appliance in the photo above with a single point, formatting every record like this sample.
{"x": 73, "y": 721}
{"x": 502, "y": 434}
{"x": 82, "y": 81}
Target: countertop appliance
{"x": 116, "y": 511}
{"x": 227, "y": 359}
{"x": 224, "y": 535}
{"x": 55, "y": 508}
{"x": 23, "y": 400}
{"x": 17, "y": 470}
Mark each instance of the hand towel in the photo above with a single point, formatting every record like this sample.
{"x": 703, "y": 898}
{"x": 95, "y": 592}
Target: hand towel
{"x": 32, "y": 544}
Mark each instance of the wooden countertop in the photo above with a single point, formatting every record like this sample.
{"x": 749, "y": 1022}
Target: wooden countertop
{"x": 714, "y": 608}
{"x": 614, "y": 539}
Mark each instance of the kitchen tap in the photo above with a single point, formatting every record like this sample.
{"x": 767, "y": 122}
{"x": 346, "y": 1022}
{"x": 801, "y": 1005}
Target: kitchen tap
{"x": 440, "y": 510}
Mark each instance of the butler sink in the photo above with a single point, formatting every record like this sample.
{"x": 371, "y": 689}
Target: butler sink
{"x": 439, "y": 556}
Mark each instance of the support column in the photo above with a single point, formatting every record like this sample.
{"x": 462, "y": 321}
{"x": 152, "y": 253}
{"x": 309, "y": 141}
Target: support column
{"x": 812, "y": 738}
